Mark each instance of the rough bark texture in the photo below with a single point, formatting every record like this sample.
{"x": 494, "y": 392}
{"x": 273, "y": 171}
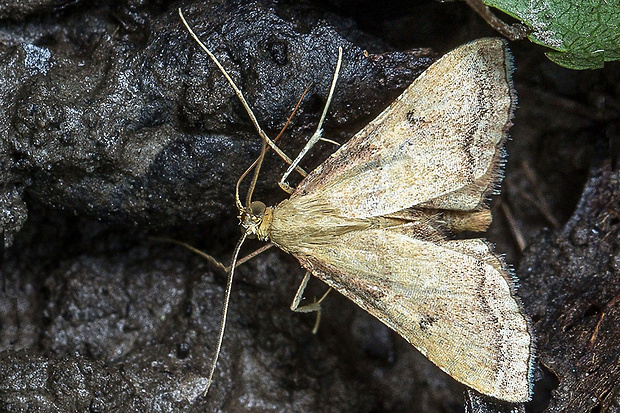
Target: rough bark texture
{"x": 115, "y": 126}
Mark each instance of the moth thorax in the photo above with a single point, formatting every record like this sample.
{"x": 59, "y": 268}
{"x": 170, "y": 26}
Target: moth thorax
{"x": 256, "y": 220}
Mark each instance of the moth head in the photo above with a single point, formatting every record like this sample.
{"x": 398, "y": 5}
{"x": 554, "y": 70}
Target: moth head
{"x": 256, "y": 220}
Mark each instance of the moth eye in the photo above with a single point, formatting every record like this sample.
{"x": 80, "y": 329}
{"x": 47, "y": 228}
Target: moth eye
{"x": 257, "y": 208}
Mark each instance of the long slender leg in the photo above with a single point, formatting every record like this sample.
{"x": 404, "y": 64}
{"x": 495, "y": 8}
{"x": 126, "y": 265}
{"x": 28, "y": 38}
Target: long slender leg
{"x": 239, "y": 95}
{"x": 308, "y": 308}
{"x": 319, "y": 129}
{"x": 294, "y": 165}
{"x": 210, "y": 258}
{"x": 206, "y": 256}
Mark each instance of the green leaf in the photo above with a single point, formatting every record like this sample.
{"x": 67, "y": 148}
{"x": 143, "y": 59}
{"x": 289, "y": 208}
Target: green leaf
{"x": 582, "y": 33}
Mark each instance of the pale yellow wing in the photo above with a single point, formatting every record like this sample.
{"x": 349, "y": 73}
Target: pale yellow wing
{"x": 452, "y": 300}
{"x": 438, "y": 145}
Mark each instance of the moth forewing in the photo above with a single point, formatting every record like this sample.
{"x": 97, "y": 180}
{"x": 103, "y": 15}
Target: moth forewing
{"x": 438, "y": 143}
{"x": 372, "y": 220}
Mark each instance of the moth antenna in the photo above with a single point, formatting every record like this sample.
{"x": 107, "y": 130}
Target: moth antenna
{"x": 259, "y": 161}
{"x": 239, "y": 94}
{"x": 241, "y": 178}
{"x": 319, "y": 129}
{"x": 225, "y": 310}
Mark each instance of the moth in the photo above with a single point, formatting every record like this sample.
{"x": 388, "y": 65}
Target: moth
{"x": 374, "y": 221}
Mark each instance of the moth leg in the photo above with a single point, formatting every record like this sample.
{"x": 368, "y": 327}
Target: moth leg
{"x": 308, "y": 308}
{"x": 330, "y": 141}
{"x": 239, "y": 94}
{"x": 319, "y": 129}
{"x": 212, "y": 259}
{"x": 252, "y": 255}
{"x": 203, "y": 254}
